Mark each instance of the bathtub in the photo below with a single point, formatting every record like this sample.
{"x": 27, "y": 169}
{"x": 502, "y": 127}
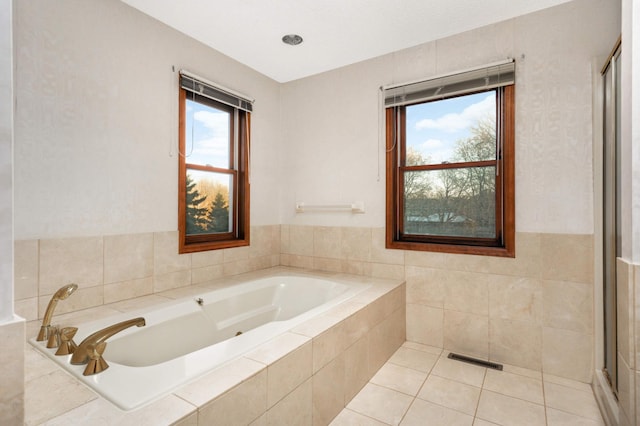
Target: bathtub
{"x": 186, "y": 338}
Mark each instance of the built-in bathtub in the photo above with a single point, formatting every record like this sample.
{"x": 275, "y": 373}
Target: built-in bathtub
{"x": 189, "y": 337}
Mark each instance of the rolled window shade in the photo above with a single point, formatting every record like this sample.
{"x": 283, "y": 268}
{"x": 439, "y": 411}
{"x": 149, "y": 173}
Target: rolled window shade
{"x": 201, "y": 86}
{"x": 475, "y": 80}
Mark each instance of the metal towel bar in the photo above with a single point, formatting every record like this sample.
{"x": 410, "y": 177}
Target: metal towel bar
{"x": 357, "y": 207}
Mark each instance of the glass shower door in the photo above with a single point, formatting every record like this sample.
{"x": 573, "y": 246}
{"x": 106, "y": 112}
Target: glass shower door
{"x": 611, "y": 211}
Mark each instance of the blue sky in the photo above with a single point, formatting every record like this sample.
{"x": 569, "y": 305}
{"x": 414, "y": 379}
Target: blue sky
{"x": 207, "y": 135}
{"x": 434, "y": 127}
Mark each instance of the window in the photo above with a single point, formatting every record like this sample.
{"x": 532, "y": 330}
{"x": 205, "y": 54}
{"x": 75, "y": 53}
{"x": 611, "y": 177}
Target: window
{"x": 450, "y": 163}
{"x": 213, "y": 187}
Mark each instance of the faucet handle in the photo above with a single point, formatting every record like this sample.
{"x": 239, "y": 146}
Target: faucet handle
{"x": 96, "y": 362}
{"x": 67, "y": 345}
{"x": 44, "y": 333}
{"x": 54, "y": 337}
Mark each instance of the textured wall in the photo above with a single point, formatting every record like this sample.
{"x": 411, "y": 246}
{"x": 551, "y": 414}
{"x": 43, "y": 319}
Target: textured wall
{"x": 95, "y": 158}
{"x": 331, "y": 121}
{"x": 535, "y": 311}
{"x": 97, "y": 123}
{"x": 6, "y": 161}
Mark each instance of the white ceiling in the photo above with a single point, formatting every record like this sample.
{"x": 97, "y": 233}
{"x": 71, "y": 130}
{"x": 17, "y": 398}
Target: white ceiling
{"x": 335, "y": 32}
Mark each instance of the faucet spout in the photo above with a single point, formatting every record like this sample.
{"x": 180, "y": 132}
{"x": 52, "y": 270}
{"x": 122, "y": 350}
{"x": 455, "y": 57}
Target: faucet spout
{"x": 61, "y": 294}
{"x": 85, "y": 349}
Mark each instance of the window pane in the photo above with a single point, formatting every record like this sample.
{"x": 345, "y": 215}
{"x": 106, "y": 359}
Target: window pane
{"x": 452, "y": 202}
{"x": 207, "y": 135}
{"x": 452, "y": 130}
{"x": 208, "y": 202}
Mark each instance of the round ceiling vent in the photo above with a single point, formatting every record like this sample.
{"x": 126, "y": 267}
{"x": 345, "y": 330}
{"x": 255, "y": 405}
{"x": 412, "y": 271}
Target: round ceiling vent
{"x": 292, "y": 39}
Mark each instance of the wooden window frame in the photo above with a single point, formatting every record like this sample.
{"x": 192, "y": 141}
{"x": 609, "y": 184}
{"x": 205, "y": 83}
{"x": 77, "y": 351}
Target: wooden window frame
{"x": 239, "y": 156}
{"x": 504, "y": 243}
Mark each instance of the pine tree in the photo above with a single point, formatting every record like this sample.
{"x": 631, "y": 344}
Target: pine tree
{"x": 197, "y": 220}
{"x": 219, "y": 215}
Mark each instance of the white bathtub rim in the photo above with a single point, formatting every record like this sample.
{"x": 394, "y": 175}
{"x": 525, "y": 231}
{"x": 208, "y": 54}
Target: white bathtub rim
{"x": 132, "y": 397}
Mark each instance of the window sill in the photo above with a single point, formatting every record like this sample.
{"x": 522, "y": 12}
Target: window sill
{"x": 212, "y": 245}
{"x": 508, "y": 251}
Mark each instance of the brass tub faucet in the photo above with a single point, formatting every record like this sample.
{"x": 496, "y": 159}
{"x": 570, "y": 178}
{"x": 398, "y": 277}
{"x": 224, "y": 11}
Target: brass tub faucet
{"x": 92, "y": 347}
{"x": 67, "y": 346}
{"x": 46, "y": 330}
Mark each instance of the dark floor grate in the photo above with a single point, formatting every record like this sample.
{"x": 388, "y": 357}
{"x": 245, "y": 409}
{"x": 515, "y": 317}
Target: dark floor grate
{"x": 475, "y": 361}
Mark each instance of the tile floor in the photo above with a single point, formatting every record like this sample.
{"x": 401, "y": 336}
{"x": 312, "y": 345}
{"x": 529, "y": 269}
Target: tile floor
{"x": 419, "y": 385}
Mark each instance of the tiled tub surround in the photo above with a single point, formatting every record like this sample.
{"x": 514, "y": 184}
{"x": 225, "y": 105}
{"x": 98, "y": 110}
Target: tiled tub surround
{"x": 304, "y": 376}
{"x": 533, "y": 311}
{"x": 182, "y": 340}
{"x": 112, "y": 268}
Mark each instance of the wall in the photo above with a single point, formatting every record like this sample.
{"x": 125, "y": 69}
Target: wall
{"x": 96, "y": 159}
{"x": 6, "y": 162}
{"x": 96, "y": 173}
{"x": 12, "y": 328}
{"x": 535, "y": 311}
{"x": 331, "y": 120}
{"x": 97, "y": 122}
{"x": 628, "y": 265}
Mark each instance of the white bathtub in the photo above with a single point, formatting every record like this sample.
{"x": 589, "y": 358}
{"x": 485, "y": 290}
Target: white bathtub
{"x": 185, "y": 339}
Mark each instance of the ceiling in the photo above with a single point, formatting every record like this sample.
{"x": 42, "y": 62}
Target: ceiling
{"x": 335, "y": 32}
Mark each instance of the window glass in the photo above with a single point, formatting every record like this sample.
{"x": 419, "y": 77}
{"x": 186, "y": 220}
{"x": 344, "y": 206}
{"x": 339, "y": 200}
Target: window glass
{"x": 213, "y": 207}
{"x": 208, "y": 196}
{"x": 452, "y": 130}
{"x": 458, "y": 202}
{"x": 450, "y": 174}
{"x": 207, "y": 135}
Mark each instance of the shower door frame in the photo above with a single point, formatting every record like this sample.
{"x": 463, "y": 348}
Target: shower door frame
{"x": 611, "y": 241}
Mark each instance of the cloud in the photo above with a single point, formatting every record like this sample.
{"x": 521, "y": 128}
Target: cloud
{"x": 216, "y": 121}
{"x": 212, "y": 146}
{"x": 431, "y": 144}
{"x": 211, "y": 138}
{"x": 454, "y": 122}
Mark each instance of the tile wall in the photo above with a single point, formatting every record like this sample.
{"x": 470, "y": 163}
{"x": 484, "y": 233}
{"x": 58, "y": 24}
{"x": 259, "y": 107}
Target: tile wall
{"x": 628, "y": 286}
{"x": 13, "y": 367}
{"x": 118, "y": 267}
{"x": 534, "y": 311}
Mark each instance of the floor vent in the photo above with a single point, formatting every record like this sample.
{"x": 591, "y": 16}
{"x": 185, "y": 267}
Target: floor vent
{"x": 475, "y": 361}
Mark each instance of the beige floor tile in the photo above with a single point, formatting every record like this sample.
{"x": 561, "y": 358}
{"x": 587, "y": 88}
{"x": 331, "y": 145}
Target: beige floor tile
{"x": 572, "y": 401}
{"x": 351, "y": 418}
{"x": 459, "y": 371}
{"x": 424, "y": 413}
{"x": 422, "y": 347}
{"x": 381, "y": 403}
{"x": 514, "y": 385}
{"x": 414, "y": 358}
{"x": 534, "y": 374}
{"x": 402, "y": 379}
{"x": 454, "y": 392}
{"x": 561, "y": 418}
{"x": 480, "y": 422}
{"x": 567, "y": 382}
{"x": 451, "y": 394}
{"x": 505, "y": 410}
